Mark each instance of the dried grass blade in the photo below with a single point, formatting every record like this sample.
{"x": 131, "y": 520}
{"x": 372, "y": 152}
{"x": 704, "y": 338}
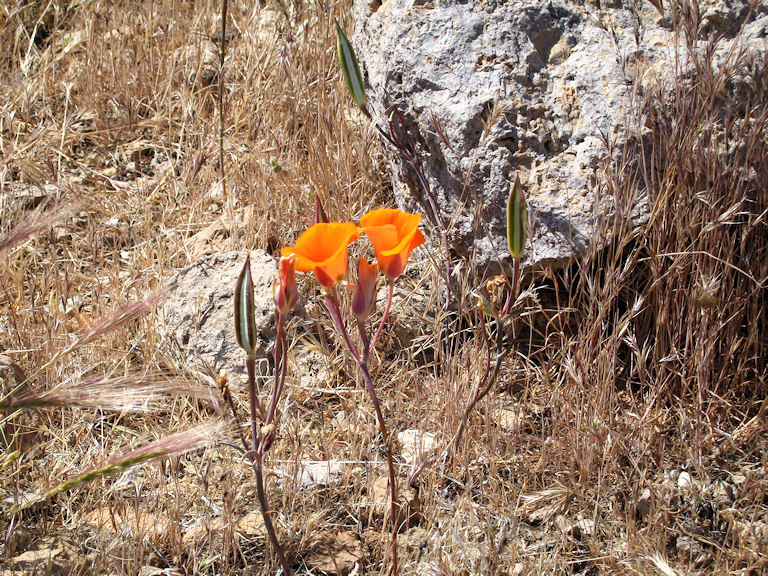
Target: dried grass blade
{"x": 177, "y": 443}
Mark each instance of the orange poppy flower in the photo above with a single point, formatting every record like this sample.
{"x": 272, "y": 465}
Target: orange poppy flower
{"x": 322, "y": 249}
{"x": 394, "y": 234}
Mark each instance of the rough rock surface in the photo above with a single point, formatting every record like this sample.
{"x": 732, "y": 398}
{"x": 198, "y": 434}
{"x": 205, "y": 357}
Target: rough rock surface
{"x": 198, "y": 312}
{"x": 496, "y": 86}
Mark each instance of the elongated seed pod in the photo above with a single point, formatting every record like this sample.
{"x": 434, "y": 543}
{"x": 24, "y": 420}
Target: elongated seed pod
{"x": 245, "y": 315}
{"x": 350, "y": 68}
{"x": 517, "y": 220}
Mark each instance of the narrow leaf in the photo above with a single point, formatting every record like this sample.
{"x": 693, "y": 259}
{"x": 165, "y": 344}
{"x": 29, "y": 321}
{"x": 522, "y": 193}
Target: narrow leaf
{"x": 517, "y": 220}
{"x": 245, "y": 315}
{"x": 350, "y": 68}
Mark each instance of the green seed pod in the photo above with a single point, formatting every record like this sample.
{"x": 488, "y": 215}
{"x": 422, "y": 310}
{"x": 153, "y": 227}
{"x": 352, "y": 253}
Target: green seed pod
{"x": 245, "y": 316}
{"x": 517, "y": 220}
{"x": 349, "y": 67}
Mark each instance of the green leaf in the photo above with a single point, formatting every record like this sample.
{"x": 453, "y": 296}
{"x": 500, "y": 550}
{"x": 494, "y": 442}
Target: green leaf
{"x": 349, "y": 67}
{"x": 245, "y": 315}
{"x": 517, "y": 220}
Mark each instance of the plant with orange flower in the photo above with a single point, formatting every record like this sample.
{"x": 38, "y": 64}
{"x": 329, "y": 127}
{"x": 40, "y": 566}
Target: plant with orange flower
{"x": 264, "y": 423}
{"x": 323, "y": 250}
{"x": 395, "y": 133}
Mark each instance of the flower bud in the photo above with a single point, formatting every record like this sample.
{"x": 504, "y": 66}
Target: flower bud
{"x": 284, "y": 291}
{"x": 364, "y": 298}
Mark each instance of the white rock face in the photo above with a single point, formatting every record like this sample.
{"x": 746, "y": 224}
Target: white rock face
{"x": 199, "y": 311}
{"x": 495, "y": 86}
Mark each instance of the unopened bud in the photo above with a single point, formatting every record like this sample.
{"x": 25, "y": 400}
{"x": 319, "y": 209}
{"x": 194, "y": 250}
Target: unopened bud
{"x": 364, "y": 299}
{"x": 284, "y": 291}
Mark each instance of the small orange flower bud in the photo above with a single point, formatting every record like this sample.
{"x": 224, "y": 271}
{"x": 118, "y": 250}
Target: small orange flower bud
{"x": 364, "y": 299}
{"x": 284, "y": 291}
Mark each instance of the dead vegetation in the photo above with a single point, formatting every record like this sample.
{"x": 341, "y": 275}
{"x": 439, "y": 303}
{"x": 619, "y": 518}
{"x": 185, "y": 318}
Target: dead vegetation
{"x": 628, "y": 433}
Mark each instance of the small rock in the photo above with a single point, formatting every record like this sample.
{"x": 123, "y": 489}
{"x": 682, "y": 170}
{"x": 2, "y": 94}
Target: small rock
{"x": 722, "y": 495}
{"x": 197, "y": 64}
{"x": 116, "y": 231}
{"x": 110, "y": 524}
{"x": 11, "y": 374}
{"x": 738, "y": 479}
{"x": 643, "y": 506}
{"x": 412, "y": 313}
{"x": 51, "y": 555}
{"x": 685, "y": 482}
{"x": 415, "y": 443}
{"x": 518, "y": 569}
{"x": 585, "y": 527}
{"x": 338, "y": 554}
{"x": 417, "y": 538}
{"x": 311, "y": 474}
{"x": 25, "y": 196}
{"x": 221, "y": 235}
{"x": 313, "y": 367}
{"x": 408, "y": 499}
{"x": 560, "y": 51}
{"x": 197, "y": 534}
{"x": 251, "y": 525}
{"x": 510, "y": 420}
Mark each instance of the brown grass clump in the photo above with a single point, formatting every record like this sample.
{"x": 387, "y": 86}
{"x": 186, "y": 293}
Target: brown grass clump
{"x": 628, "y": 431}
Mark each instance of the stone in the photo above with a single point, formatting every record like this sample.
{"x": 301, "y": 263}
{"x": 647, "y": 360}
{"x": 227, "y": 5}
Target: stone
{"x": 685, "y": 482}
{"x": 336, "y": 554}
{"x": 643, "y": 506}
{"x": 198, "y": 313}
{"x": 492, "y": 87}
{"x": 415, "y": 444}
{"x": 197, "y": 64}
{"x": 25, "y": 196}
{"x": 509, "y": 419}
{"x": 251, "y": 525}
{"x": 11, "y": 374}
{"x": 52, "y": 555}
{"x": 409, "y": 503}
{"x": 412, "y": 313}
{"x": 110, "y": 525}
{"x": 222, "y": 234}
{"x": 309, "y": 474}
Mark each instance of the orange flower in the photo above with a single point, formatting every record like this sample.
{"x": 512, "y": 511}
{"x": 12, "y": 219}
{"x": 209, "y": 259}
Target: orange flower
{"x": 322, "y": 249}
{"x": 394, "y": 234}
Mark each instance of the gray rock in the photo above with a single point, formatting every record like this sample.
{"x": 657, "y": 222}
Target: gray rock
{"x": 11, "y": 374}
{"x": 199, "y": 311}
{"x": 491, "y": 87}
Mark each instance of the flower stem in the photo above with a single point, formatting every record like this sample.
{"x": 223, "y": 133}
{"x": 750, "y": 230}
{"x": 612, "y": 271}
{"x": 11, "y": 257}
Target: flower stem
{"x": 387, "y": 306}
{"x": 390, "y": 463}
{"x": 260, "y": 442}
{"x": 333, "y": 309}
{"x": 264, "y": 505}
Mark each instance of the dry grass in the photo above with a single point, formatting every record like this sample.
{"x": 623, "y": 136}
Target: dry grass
{"x": 641, "y": 364}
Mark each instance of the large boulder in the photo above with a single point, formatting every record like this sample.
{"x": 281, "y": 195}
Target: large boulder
{"x": 491, "y": 87}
